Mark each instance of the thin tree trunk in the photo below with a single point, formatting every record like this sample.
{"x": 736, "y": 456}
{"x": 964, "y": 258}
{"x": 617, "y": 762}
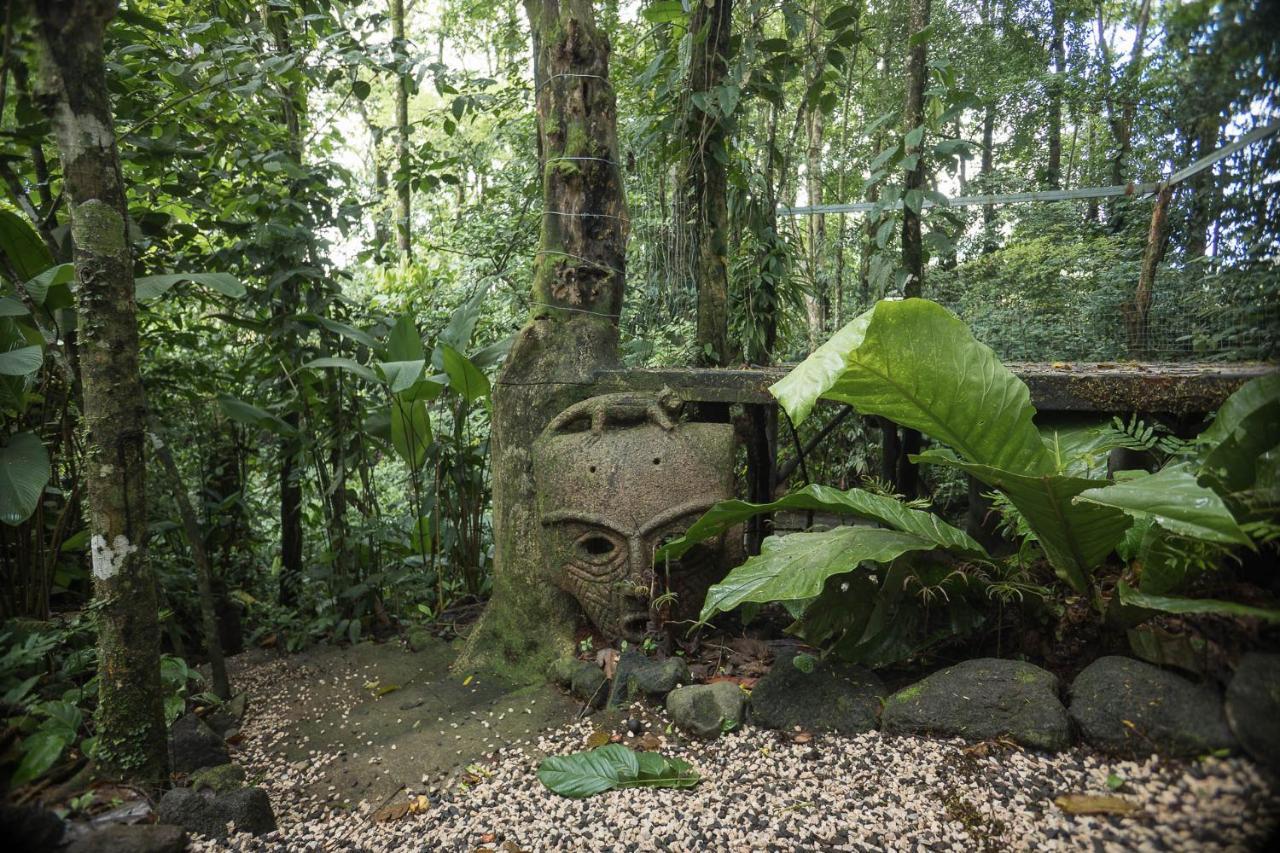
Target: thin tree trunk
{"x": 706, "y": 172}
{"x": 1121, "y": 100}
{"x": 907, "y": 476}
{"x": 818, "y": 304}
{"x": 1203, "y": 190}
{"x": 130, "y": 718}
{"x": 204, "y": 571}
{"x": 1057, "y": 50}
{"x": 573, "y": 329}
{"x": 404, "y": 187}
{"x": 1141, "y": 307}
{"x": 291, "y": 466}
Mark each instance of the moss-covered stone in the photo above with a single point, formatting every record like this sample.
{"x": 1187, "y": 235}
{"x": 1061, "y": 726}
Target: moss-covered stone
{"x": 1128, "y": 707}
{"x": 983, "y": 699}
{"x": 220, "y": 779}
{"x": 832, "y": 697}
{"x": 707, "y": 710}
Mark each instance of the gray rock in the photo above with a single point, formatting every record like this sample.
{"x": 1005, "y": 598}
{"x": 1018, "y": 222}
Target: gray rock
{"x": 982, "y": 699}
{"x": 834, "y": 697}
{"x": 208, "y": 814}
{"x": 220, "y": 779}
{"x": 706, "y": 710}
{"x": 584, "y": 680}
{"x": 29, "y": 828}
{"x": 227, "y": 718}
{"x": 419, "y": 639}
{"x": 1253, "y": 707}
{"x": 641, "y": 677}
{"x": 1128, "y": 707}
{"x": 131, "y": 838}
{"x": 195, "y": 745}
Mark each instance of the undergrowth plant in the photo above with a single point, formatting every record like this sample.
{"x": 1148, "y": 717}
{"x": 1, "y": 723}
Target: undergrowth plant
{"x": 883, "y": 591}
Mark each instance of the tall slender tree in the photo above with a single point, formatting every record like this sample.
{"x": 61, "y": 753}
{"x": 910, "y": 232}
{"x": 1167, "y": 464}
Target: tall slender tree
{"x": 579, "y": 273}
{"x": 399, "y": 48}
{"x": 706, "y": 132}
{"x": 73, "y": 92}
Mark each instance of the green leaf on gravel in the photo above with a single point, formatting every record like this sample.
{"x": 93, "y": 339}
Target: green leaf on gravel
{"x": 583, "y": 774}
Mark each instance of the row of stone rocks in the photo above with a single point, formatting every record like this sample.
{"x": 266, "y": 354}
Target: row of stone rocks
{"x": 1118, "y": 705}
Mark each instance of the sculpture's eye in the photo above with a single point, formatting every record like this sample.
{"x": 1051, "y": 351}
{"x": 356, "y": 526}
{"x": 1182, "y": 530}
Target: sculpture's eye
{"x": 596, "y": 548}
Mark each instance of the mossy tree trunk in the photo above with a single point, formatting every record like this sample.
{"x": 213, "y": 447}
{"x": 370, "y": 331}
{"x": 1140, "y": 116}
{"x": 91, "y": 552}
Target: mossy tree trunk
{"x": 404, "y": 189}
{"x": 130, "y": 718}
{"x": 706, "y": 178}
{"x": 572, "y": 330}
{"x": 907, "y": 476}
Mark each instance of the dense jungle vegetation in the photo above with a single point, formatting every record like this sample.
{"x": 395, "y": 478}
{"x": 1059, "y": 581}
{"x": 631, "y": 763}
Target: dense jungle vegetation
{"x": 332, "y": 214}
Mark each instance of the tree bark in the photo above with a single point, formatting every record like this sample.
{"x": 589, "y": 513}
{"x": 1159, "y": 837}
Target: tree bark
{"x": 292, "y": 539}
{"x": 817, "y": 304}
{"x": 204, "y": 571}
{"x": 706, "y": 176}
{"x": 1058, "y": 52}
{"x": 906, "y": 477}
{"x": 573, "y": 330}
{"x": 1141, "y": 306}
{"x": 132, "y": 740}
{"x": 403, "y": 170}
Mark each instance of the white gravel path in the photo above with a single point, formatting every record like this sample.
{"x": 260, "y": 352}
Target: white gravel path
{"x": 761, "y": 791}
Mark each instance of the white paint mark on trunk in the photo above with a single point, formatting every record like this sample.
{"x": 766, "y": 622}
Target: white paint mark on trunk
{"x": 108, "y": 559}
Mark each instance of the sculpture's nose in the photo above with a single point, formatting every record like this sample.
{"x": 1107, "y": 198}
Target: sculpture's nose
{"x": 635, "y": 592}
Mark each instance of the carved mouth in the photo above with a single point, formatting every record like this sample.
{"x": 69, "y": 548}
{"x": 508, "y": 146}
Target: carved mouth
{"x": 632, "y": 625}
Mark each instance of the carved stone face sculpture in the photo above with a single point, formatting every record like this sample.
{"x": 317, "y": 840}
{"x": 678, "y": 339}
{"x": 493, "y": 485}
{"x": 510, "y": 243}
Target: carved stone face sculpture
{"x": 616, "y": 477}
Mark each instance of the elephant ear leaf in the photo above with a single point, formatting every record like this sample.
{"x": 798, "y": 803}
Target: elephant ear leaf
{"x": 1247, "y": 426}
{"x": 796, "y": 567}
{"x": 1075, "y": 537}
{"x": 1174, "y": 499}
{"x": 583, "y": 774}
{"x": 24, "y": 472}
{"x": 917, "y": 364}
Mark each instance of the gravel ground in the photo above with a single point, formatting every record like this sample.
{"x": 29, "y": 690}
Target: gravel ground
{"x": 763, "y": 791}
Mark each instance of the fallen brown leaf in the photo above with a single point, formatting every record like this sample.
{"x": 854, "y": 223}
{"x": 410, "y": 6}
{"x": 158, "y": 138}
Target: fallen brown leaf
{"x": 648, "y": 742}
{"x": 395, "y": 811}
{"x": 1080, "y": 804}
{"x": 802, "y": 737}
{"x": 597, "y": 738}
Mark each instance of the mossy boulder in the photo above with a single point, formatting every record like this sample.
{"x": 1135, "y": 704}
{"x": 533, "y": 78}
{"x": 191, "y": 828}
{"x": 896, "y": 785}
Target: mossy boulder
{"x": 641, "y": 677}
{"x": 707, "y": 710}
{"x": 1253, "y": 707}
{"x": 831, "y": 697}
{"x": 208, "y": 814}
{"x": 196, "y": 745}
{"x": 582, "y": 678}
{"x": 220, "y": 779}
{"x": 983, "y": 699}
{"x": 1128, "y": 707}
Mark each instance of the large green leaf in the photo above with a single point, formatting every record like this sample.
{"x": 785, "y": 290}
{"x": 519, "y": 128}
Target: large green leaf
{"x": 886, "y": 510}
{"x": 404, "y": 343}
{"x": 1247, "y": 425}
{"x": 50, "y": 288}
{"x": 24, "y": 472}
{"x": 1249, "y": 398}
{"x": 582, "y": 774}
{"x": 1176, "y": 604}
{"x": 401, "y": 375}
{"x": 339, "y": 363}
{"x": 39, "y": 752}
{"x": 1174, "y": 499}
{"x": 21, "y": 361}
{"x": 410, "y": 431}
{"x": 915, "y": 363}
{"x": 154, "y": 286}
{"x": 1075, "y": 537}
{"x": 795, "y": 567}
{"x": 464, "y": 377}
{"x": 247, "y": 413}
{"x": 22, "y": 246}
